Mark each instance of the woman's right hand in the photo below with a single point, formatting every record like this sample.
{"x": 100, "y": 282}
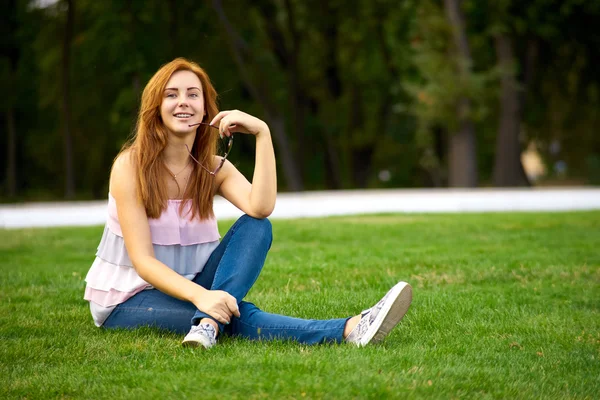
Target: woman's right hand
{"x": 218, "y": 304}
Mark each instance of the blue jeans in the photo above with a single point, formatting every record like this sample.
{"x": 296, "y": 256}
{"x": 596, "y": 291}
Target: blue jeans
{"x": 233, "y": 267}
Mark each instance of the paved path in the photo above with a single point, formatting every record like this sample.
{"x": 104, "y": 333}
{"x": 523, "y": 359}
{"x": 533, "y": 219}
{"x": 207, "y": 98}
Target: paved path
{"x": 317, "y": 204}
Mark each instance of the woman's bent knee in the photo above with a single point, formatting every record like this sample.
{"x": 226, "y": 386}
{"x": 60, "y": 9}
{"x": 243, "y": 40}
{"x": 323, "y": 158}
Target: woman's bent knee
{"x": 260, "y": 228}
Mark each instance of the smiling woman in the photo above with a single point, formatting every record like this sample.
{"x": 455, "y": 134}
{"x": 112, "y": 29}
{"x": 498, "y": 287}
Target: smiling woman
{"x": 160, "y": 261}
{"x": 177, "y": 115}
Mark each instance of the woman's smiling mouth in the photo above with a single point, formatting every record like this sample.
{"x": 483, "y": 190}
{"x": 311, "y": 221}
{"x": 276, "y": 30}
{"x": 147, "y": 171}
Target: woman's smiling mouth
{"x": 183, "y": 115}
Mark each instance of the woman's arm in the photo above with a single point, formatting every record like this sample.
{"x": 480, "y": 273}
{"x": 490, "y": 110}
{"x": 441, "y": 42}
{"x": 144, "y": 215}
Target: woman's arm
{"x": 256, "y": 199}
{"x": 136, "y": 234}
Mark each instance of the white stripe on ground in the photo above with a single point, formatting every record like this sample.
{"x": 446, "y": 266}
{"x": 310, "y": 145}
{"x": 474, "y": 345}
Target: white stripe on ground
{"x": 329, "y": 203}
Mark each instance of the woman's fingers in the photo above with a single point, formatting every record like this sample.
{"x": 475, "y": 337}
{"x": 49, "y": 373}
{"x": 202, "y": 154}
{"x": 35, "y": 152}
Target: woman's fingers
{"x": 233, "y": 307}
{"x": 224, "y": 126}
{"x": 233, "y": 121}
{"x": 217, "y": 119}
{"x": 222, "y": 319}
{"x": 227, "y": 124}
{"x": 238, "y": 121}
{"x": 223, "y": 314}
{"x": 220, "y": 305}
{"x": 228, "y": 308}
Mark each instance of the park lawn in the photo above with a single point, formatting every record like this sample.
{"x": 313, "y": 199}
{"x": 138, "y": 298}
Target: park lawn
{"x": 505, "y": 306}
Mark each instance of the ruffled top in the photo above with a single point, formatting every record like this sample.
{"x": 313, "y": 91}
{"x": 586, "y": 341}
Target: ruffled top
{"x": 183, "y": 244}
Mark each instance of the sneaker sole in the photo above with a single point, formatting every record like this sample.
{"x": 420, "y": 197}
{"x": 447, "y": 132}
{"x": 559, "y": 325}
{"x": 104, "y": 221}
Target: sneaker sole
{"x": 195, "y": 343}
{"x": 390, "y": 315}
{"x": 190, "y": 343}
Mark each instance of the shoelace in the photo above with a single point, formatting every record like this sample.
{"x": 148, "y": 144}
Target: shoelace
{"x": 206, "y": 329}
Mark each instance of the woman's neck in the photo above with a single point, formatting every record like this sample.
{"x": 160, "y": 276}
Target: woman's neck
{"x": 176, "y": 153}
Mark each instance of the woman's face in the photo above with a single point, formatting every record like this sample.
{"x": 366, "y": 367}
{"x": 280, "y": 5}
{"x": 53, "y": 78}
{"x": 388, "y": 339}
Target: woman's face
{"x": 182, "y": 103}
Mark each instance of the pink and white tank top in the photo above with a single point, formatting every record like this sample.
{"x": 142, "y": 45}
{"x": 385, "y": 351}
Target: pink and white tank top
{"x": 182, "y": 244}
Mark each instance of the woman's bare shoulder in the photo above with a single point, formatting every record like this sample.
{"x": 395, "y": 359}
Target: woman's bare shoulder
{"x": 123, "y": 171}
{"x": 125, "y": 160}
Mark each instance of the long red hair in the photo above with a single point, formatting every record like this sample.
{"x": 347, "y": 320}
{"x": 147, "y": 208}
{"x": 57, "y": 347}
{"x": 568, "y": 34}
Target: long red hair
{"x": 150, "y": 139}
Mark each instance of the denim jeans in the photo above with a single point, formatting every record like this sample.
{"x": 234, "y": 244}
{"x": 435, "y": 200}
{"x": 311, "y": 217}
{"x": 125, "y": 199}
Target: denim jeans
{"x": 233, "y": 267}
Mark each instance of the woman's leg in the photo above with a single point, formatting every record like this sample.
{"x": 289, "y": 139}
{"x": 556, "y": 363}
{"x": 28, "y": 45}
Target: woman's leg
{"x": 256, "y": 324}
{"x": 371, "y": 326}
{"x": 152, "y": 308}
{"x": 234, "y": 266}
{"x": 236, "y": 263}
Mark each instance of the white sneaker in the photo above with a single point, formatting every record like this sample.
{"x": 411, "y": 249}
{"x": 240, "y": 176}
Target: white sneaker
{"x": 376, "y": 322}
{"x": 202, "y": 334}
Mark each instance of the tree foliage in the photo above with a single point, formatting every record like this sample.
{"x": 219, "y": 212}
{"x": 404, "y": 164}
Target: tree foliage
{"x": 357, "y": 97}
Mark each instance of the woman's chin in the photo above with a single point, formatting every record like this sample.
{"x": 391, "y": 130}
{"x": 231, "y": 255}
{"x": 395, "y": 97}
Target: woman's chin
{"x": 182, "y": 130}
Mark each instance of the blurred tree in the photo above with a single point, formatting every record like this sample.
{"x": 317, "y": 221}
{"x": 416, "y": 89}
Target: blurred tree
{"x": 450, "y": 95}
{"x": 337, "y": 93}
{"x": 462, "y": 144}
{"x": 508, "y": 170}
{"x": 258, "y": 85}
{"x": 19, "y": 83}
{"x": 563, "y": 99}
{"x": 365, "y": 96}
{"x": 10, "y": 59}
{"x": 537, "y": 46}
{"x": 66, "y": 99}
{"x": 516, "y": 74}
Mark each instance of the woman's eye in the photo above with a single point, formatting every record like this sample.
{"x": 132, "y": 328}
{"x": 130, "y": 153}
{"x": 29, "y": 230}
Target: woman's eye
{"x": 194, "y": 95}
{"x": 171, "y": 95}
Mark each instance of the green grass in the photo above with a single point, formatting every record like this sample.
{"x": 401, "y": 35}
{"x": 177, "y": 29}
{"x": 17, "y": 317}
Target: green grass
{"x": 505, "y": 306}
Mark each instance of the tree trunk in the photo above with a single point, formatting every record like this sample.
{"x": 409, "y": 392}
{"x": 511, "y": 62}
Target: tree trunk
{"x": 297, "y": 94}
{"x": 462, "y": 153}
{"x": 333, "y": 175}
{"x": 13, "y": 53}
{"x": 277, "y": 124}
{"x": 507, "y": 167}
{"x": 242, "y": 56}
{"x": 11, "y": 153}
{"x": 337, "y": 153}
{"x": 362, "y": 165}
{"x": 462, "y": 161}
{"x": 298, "y": 119}
{"x": 361, "y": 151}
{"x": 287, "y": 57}
{"x": 66, "y": 101}
{"x": 437, "y": 172}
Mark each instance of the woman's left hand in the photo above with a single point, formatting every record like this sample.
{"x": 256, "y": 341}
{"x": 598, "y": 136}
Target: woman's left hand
{"x": 238, "y": 121}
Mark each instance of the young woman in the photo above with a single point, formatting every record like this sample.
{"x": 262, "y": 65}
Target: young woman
{"x": 160, "y": 262}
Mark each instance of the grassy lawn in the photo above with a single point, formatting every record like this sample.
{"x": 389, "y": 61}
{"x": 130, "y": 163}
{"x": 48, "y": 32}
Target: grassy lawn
{"x": 505, "y": 306}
